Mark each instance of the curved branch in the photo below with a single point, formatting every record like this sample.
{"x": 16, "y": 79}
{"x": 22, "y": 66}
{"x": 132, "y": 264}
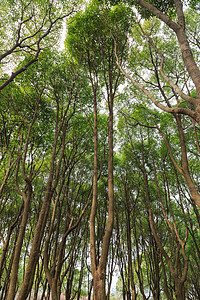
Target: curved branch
{"x": 194, "y": 101}
{"x": 156, "y": 12}
{"x": 172, "y": 110}
{"x": 179, "y": 29}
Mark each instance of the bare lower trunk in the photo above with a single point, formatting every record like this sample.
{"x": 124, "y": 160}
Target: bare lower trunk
{"x": 179, "y": 290}
{"x": 99, "y": 285}
{"x": 55, "y": 292}
{"x": 41, "y": 223}
{"x": 17, "y": 252}
{"x": 94, "y": 200}
{"x": 130, "y": 267}
{"x": 99, "y": 270}
{"x": 34, "y": 254}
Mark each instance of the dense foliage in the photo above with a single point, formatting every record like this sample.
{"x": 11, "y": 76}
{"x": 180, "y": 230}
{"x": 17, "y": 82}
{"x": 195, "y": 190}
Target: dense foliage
{"x": 117, "y": 111}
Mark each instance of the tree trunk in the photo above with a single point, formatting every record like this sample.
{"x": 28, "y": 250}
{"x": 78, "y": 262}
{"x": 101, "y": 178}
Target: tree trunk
{"x": 99, "y": 285}
{"x": 54, "y": 288}
{"x": 35, "y": 251}
{"x": 179, "y": 282}
{"x": 179, "y": 290}
{"x": 187, "y": 54}
{"x": 179, "y": 29}
{"x": 130, "y": 267}
{"x": 17, "y": 251}
{"x": 90, "y": 286}
{"x": 94, "y": 202}
{"x": 6, "y": 243}
{"x": 41, "y": 223}
{"x": 99, "y": 270}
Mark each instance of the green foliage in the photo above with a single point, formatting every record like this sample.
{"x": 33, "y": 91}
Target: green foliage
{"x": 61, "y": 84}
{"x": 166, "y": 7}
{"x": 92, "y": 30}
{"x": 194, "y": 4}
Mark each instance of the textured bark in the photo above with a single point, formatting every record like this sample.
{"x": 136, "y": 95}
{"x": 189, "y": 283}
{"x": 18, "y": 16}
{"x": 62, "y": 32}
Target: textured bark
{"x": 55, "y": 290}
{"x": 99, "y": 284}
{"x": 179, "y": 29}
{"x": 98, "y": 273}
{"x": 38, "y": 235}
{"x": 187, "y": 55}
{"x": 35, "y": 252}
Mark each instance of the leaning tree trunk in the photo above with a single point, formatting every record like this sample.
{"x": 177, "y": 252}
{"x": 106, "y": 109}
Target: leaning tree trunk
{"x": 17, "y": 251}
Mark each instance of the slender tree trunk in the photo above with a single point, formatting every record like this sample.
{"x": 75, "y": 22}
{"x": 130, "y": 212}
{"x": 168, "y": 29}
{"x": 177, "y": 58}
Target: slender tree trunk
{"x": 165, "y": 283}
{"x": 96, "y": 278}
{"x": 157, "y": 273}
{"x": 17, "y": 251}
{"x": 69, "y": 286}
{"x": 130, "y": 267}
{"x": 35, "y": 251}
{"x": 90, "y": 286}
{"x": 99, "y": 270}
{"x": 111, "y": 271}
{"x": 179, "y": 281}
{"x": 41, "y": 223}
{"x": 98, "y": 273}
{"x": 195, "y": 195}
{"x": 6, "y": 243}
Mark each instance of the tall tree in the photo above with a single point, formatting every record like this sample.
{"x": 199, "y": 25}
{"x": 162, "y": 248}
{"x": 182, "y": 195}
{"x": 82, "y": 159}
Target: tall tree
{"x": 163, "y": 73}
{"x": 92, "y": 45}
{"x": 31, "y": 28}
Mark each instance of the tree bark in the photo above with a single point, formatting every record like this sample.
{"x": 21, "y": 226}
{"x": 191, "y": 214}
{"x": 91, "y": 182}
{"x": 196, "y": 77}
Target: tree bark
{"x": 99, "y": 270}
{"x": 98, "y": 273}
{"x": 50, "y": 188}
{"x": 129, "y": 244}
{"x": 6, "y": 243}
{"x": 179, "y": 290}
{"x": 99, "y": 284}
{"x": 94, "y": 204}
{"x": 15, "y": 265}
{"x": 179, "y": 29}
{"x": 55, "y": 290}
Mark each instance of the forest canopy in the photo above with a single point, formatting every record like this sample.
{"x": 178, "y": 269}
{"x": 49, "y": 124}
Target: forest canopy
{"x": 99, "y": 149}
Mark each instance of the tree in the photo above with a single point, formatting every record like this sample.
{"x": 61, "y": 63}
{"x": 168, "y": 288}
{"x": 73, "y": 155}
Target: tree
{"x": 31, "y": 27}
{"x": 90, "y": 26}
{"x": 160, "y": 68}
{"x": 94, "y": 178}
